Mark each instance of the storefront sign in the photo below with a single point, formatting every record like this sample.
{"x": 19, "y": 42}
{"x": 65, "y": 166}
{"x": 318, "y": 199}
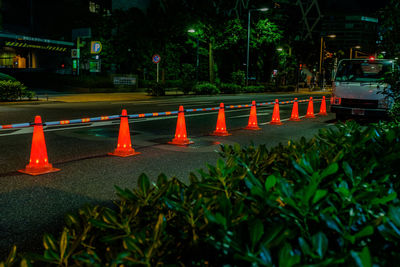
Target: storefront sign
{"x": 45, "y": 47}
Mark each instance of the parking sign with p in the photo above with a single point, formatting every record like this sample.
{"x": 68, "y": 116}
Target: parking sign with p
{"x": 95, "y": 47}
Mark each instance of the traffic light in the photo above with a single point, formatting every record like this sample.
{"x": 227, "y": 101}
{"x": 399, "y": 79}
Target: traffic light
{"x": 74, "y": 64}
{"x": 62, "y": 65}
{"x": 300, "y": 66}
{"x": 328, "y": 55}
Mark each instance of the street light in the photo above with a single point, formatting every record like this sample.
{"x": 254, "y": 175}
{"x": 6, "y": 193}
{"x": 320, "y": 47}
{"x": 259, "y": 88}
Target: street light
{"x": 197, "y": 53}
{"x": 351, "y": 50}
{"x": 289, "y": 49}
{"x": 248, "y": 41}
{"x": 321, "y": 56}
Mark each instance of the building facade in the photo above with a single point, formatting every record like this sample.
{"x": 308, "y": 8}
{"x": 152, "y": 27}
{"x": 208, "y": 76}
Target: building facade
{"x": 36, "y": 34}
{"x": 354, "y": 33}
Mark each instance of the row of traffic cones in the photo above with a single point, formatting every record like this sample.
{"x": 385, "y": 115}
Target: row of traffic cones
{"x": 181, "y": 138}
{"x": 39, "y": 163}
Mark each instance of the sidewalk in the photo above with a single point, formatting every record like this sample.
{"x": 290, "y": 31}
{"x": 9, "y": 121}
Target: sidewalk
{"x": 97, "y": 97}
{"x": 127, "y": 96}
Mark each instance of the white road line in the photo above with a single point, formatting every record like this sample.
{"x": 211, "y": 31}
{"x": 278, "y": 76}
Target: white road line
{"x": 29, "y": 130}
{"x": 247, "y": 115}
{"x": 265, "y": 123}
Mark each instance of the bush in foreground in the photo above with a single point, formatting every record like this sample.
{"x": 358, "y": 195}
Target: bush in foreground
{"x": 327, "y": 201}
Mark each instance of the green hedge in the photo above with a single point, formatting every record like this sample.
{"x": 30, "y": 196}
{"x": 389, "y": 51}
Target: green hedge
{"x": 64, "y": 82}
{"x": 254, "y": 89}
{"x": 230, "y": 88}
{"x": 156, "y": 89}
{"x": 328, "y": 201}
{"x": 13, "y": 90}
{"x": 206, "y": 89}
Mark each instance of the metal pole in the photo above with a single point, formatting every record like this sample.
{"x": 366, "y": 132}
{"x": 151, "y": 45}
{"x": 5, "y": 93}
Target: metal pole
{"x": 321, "y": 75}
{"x": 320, "y": 55}
{"x": 197, "y": 59}
{"x": 78, "y": 46}
{"x": 248, "y": 49}
{"x": 158, "y": 69}
{"x": 297, "y": 80}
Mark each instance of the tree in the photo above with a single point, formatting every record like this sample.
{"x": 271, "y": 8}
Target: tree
{"x": 390, "y": 29}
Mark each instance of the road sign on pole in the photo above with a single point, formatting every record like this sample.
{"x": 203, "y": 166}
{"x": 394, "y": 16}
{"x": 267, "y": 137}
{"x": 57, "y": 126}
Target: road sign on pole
{"x": 156, "y": 59}
{"x": 95, "y": 47}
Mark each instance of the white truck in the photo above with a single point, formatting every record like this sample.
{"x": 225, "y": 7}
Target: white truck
{"x": 358, "y": 86}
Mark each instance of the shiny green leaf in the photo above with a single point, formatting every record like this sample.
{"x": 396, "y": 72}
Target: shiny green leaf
{"x": 63, "y": 243}
{"x": 270, "y": 182}
{"x": 144, "y": 183}
{"x": 366, "y": 231}
{"x": 320, "y": 243}
{"x": 331, "y": 169}
{"x": 347, "y": 169}
{"x": 363, "y": 258}
{"x": 319, "y": 195}
{"x": 49, "y": 242}
{"x": 256, "y": 228}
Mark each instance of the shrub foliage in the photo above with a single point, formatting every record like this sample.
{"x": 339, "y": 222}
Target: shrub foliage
{"x": 328, "y": 201}
{"x": 206, "y": 89}
{"x": 13, "y": 90}
{"x": 230, "y": 88}
{"x": 156, "y": 89}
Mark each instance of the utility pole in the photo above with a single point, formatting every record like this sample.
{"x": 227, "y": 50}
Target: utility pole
{"x": 1, "y": 15}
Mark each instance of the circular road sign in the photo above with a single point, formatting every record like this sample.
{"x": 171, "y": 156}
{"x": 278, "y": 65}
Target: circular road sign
{"x": 95, "y": 47}
{"x": 156, "y": 59}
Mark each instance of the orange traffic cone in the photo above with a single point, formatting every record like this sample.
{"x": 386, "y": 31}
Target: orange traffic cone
{"x": 253, "y": 125}
{"x": 38, "y": 161}
{"x": 322, "y": 109}
{"x": 276, "y": 119}
{"x": 221, "y": 125}
{"x": 295, "y": 111}
{"x": 310, "y": 109}
{"x": 124, "y": 147}
{"x": 180, "y": 133}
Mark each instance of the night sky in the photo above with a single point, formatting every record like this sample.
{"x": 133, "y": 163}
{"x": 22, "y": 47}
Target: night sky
{"x": 353, "y": 5}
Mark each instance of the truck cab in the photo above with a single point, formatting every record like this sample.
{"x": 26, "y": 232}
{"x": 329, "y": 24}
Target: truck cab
{"x": 358, "y": 86}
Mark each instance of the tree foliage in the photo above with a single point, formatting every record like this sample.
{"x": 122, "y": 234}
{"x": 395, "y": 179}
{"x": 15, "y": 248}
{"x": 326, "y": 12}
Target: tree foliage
{"x": 390, "y": 28}
{"x": 132, "y": 37}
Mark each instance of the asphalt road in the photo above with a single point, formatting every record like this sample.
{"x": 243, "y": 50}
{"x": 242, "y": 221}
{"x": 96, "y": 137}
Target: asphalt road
{"x": 31, "y": 206}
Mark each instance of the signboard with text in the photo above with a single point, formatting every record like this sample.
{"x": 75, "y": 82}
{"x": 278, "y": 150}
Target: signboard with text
{"x": 75, "y": 53}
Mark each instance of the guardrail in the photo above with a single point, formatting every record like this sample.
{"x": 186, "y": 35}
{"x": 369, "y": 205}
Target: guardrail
{"x": 142, "y": 115}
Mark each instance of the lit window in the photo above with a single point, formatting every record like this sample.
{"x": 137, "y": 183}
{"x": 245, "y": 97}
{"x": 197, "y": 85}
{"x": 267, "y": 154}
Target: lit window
{"x": 93, "y": 7}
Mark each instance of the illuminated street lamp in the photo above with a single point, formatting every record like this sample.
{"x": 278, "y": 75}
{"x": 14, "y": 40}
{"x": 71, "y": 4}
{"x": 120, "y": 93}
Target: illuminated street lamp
{"x": 248, "y": 41}
{"x": 197, "y": 52}
{"x": 280, "y": 49}
{"x": 351, "y": 50}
